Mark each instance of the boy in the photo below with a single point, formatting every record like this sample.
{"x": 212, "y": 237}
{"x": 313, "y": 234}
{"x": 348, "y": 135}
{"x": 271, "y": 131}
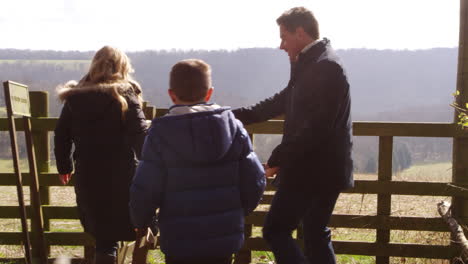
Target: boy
{"x": 198, "y": 167}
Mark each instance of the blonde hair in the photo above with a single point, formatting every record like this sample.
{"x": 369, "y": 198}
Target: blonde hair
{"x": 112, "y": 66}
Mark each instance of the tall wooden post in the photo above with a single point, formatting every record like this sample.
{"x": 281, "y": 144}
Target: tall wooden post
{"x": 384, "y": 201}
{"x": 460, "y": 145}
{"x": 40, "y": 108}
{"x": 39, "y": 103}
{"x": 37, "y": 219}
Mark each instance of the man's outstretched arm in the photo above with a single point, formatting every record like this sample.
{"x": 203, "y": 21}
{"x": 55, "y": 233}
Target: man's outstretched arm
{"x": 263, "y": 111}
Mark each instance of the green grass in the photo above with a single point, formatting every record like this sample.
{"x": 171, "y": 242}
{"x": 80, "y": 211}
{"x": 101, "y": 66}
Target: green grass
{"x": 61, "y": 225}
{"x": 354, "y": 234}
{"x": 347, "y": 204}
{"x": 262, "y": 256}
{"x": 355, "y": 259}
{"x": 431, "y": 172}
{"x": 435, "y": 172}
{"x": 6, "y": 165}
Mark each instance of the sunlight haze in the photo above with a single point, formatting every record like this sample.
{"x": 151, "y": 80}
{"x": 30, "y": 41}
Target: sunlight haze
{"x": 206, "y": 24}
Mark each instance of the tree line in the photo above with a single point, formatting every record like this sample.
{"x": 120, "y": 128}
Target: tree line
{"x": 385, "y": 85}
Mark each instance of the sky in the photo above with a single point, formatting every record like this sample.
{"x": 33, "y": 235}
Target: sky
{"x": 222, "y": 24}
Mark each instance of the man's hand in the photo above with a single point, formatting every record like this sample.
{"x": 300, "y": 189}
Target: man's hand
{"x": 271, "y": 172}
{"x": 65, "y": 178}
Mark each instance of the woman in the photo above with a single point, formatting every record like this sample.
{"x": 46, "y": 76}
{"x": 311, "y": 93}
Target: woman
{"x": 103, "y": 119}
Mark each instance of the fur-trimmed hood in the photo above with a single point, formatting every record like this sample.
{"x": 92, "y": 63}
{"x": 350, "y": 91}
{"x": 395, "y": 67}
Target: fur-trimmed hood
{"x": 73, "y": 87}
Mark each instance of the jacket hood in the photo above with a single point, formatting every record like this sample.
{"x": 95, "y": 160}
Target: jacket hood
{"x": 195, "y": 108}
{"x": 197, "y": 137}
{"x": 73, "y": 87}
{"x": 93, "y": 102}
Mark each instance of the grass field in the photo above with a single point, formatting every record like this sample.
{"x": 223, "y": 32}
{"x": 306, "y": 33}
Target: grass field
{"x": 359, "y": 204}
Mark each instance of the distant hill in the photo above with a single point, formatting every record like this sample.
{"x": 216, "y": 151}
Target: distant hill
{"x": 389, "y": 80}
{"x": 386, "y": 85}
{"x": 381, "y": 80}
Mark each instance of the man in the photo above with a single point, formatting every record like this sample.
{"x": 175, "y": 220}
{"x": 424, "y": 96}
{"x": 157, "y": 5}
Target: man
{"x": 313, "y": 160}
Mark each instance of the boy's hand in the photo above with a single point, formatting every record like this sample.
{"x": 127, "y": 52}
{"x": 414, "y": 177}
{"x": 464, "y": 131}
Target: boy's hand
{"x": 65, "y": 178}
{"x": 271, "y": 172}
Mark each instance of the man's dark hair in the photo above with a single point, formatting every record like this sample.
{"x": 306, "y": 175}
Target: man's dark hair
{"x": 300, "y": 17}
{"x": 190, "y": 80}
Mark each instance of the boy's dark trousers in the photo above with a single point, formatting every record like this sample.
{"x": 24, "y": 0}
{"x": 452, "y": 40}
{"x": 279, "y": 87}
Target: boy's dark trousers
{"x": 223, "y": 260}
{"x": 287, "y": 210}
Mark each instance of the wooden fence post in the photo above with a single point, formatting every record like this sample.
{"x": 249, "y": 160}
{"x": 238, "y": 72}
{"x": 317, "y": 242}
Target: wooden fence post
{"x": 460, "y": 145}
{"x": 149, "y": 111}
{"x": 244, "y": 256}
{"x": 39, "y": 101}
{"x": 40, "y": 108}
{"x": 37, "y": 219}
{"x": 384, "y": 201}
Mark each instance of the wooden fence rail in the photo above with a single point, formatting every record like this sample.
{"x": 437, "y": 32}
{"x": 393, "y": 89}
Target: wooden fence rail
{"x": 384, "y": 187}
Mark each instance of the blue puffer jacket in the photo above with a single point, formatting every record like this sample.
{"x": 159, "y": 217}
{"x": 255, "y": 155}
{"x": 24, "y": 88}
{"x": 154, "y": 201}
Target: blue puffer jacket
{"x": 200, "y": 170}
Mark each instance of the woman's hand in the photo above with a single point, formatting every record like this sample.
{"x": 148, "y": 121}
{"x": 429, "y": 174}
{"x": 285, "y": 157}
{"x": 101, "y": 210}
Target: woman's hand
{"x": 65, "y": 178}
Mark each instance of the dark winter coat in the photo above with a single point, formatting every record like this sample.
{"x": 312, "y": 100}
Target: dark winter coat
{"x": 103, "y": 156}
{"x": 200, "y": 170}
{"x": 315, "y": 152}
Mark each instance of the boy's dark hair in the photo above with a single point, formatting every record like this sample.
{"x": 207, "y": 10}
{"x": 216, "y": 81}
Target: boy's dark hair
{"x": 299, "y": 17}
{"x": 190, "y": 79}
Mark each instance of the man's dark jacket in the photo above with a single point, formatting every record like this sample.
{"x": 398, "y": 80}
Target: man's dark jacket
{"x": 104, "y": 154}
{"x": 315, "y": 152}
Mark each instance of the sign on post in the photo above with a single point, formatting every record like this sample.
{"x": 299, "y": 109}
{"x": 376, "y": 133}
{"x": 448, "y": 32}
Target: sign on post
{"x": 17, "y": 103}
{"x": 19, "y": 97}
